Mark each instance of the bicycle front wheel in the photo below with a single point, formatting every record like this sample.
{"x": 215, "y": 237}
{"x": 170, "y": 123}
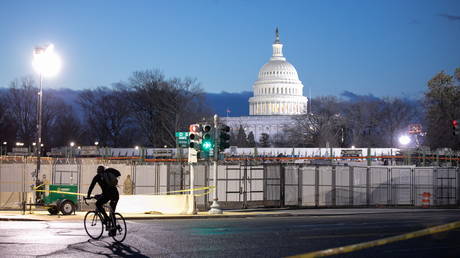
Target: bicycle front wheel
{"x": 93, "y": 225}
{"x": 120, "y": 227}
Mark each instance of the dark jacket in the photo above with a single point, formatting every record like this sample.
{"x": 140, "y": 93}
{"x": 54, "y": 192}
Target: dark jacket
{"x": 107, "y": 190}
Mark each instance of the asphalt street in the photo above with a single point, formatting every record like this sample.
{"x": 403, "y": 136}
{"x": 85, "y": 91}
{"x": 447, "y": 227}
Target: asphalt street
{"x": 236, "y": 237}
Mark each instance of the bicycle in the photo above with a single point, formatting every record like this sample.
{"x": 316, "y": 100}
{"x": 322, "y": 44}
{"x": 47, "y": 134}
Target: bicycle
{"x": 95, "y": 223}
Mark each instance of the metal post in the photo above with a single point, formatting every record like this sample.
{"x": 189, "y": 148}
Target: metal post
{"x": 38, "y": 142}
{"x": 192, "y": 185}
{"x": 215, "y": 208}
{"x": 334, "y": 186}
{"x": 369, "y": 162}
{"x": 368, "y": 186}
{"x": 316, "y": 185}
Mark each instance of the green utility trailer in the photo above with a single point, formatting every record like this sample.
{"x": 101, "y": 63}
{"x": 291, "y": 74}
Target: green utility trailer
{"x": 61, "y": 202}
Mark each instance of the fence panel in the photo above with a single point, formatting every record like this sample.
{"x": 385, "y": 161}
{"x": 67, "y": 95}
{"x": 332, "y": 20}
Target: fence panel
{"x": 273, "y": 184}
{"x": 256, "y": 183}
{"x": 12, "y": 185}
{"x": 176, "y": 173}
{"x": 291, "y": 189}
{"x": 308, "y": 185}
{"x": 359, "y": 186}
{"x": 342, "y": 188}
{"x": 65, "y": 174}
{"x": 146, "y": 179}
{"x": 325, "y": 186}
{"x": 233, "y": 187}
{"x": 446, "y": 186}
{"x": 401, "y": 186}
{"x": 221, "y": 182}
{"x": 423, "y": 183}
{"x": 379, "y": 185}
{"x": 201, "y": 171}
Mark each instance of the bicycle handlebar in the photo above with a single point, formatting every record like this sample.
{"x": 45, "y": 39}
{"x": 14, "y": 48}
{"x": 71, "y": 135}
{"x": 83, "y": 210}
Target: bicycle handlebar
{"x": 88, "y": 198}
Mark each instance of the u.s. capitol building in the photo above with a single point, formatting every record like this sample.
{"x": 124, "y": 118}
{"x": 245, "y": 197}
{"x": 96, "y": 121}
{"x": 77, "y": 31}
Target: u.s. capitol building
{"x": 278, "y": 96}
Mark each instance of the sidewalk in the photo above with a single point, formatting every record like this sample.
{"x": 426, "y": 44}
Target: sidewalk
{"x": 45, "y": 216}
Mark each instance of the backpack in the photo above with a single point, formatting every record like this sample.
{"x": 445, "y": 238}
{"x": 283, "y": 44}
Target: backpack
{"x": 109, "y": 176}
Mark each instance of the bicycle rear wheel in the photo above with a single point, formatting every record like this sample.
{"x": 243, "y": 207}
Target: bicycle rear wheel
{"x": 93, "y": 225}
{"x": 121, "y": 229}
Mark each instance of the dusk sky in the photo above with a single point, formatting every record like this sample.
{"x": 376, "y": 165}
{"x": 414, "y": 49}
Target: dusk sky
{"x": 384, "y": 48}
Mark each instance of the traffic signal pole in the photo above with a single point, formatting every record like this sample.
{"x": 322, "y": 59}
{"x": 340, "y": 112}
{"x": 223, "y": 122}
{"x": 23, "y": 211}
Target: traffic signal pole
{"x": 215, "y": 208}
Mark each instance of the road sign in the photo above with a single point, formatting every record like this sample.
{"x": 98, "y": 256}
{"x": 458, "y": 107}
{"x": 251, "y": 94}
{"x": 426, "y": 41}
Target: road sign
{"x": 182, "y": 139}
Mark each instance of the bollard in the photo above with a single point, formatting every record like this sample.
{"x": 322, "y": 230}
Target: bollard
{"x": 426, "y": 199}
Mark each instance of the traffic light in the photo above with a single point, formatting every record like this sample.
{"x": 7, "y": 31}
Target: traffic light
{"x": 224, "y": 137}
{"x": 195, "y": 142}
{"x": 456, "y": 127}
{"x": 208, "y": 140}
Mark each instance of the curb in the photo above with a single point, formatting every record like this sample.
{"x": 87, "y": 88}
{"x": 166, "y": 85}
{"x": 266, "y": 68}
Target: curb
{"x": 268, "y": 215}
{"x": 20, "y": 219}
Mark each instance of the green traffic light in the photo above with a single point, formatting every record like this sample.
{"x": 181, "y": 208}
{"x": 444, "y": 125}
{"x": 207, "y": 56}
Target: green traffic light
{"x": 206, "y": 145}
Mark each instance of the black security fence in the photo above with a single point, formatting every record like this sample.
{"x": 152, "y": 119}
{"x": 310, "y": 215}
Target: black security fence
{"x": 294, "y": 185}
{"x": 242, "y": 186}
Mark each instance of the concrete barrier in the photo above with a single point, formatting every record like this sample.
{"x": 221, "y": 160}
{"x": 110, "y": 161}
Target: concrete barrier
{"x": 164, "y": 204}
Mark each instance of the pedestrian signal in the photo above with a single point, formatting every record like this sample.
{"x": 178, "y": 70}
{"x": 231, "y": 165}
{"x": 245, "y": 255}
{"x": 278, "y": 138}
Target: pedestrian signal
{"x": 456, "y": 127}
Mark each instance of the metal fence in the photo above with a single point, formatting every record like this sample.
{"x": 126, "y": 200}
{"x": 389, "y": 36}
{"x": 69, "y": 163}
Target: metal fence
{"x": 247, "y": 186}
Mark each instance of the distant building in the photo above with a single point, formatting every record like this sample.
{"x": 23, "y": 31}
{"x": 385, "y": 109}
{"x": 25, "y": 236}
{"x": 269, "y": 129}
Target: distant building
{"x": 278, "y": 96}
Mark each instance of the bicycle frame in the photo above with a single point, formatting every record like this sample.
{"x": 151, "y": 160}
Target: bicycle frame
{"x": 118, "y": 225}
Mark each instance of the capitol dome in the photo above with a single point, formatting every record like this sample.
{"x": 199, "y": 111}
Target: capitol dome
{"x": 278, "y": 69}
{"x": 278, "y": 90}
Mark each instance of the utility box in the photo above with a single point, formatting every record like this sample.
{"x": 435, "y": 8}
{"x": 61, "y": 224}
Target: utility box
{"x": 66, "y": 203}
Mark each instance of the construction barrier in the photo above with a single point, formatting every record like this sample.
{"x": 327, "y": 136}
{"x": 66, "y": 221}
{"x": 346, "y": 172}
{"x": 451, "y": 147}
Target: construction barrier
{"x": 183, "y": 204}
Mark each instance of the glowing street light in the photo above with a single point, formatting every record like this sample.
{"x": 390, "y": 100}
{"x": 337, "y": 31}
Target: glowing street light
{"x": 47, "y": 64}
{"x": 72, "y": 144}
{"x": 404, "y": 140}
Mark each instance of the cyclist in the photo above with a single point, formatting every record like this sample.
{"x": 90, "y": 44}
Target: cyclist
{"x": 109, "y": 192}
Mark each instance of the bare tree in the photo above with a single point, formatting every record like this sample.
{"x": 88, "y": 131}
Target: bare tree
{"x": 319, "y": 128}
{"x": 7, "y": 124}
{"x": 364, "y": 118}
{"x": 21, "y": 101}
{"x": 66, "y": 126}
{"x": 107, "y": 115}
{"x": 164, "y": 106}
{"x": 397, "y": 114}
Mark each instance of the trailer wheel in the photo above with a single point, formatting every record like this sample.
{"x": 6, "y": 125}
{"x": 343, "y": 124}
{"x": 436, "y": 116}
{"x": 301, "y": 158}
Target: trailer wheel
{"x": 53, "y": 210}
{"x": 67, "y": 207}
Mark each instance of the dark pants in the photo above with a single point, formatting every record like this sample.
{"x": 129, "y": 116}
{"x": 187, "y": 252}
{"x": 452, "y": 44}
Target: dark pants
{"x": 104, "y": 198}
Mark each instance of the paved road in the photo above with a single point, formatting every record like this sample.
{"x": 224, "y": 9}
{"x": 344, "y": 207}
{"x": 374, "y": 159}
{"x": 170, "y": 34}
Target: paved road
{"x": 243, "y": 237}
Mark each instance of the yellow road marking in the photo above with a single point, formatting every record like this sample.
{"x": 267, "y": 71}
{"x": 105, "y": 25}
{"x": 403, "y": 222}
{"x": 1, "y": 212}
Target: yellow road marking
{"x": 349, "y": 235}
{"x": 383, "y": 241}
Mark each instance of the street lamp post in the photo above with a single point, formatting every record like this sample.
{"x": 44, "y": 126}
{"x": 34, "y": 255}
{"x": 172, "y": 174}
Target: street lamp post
{"x": 215, "y": 207}
{"x": 47, "y": 64}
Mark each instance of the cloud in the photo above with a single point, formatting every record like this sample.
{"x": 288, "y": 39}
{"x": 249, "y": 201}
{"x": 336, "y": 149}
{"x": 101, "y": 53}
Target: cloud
{"x": 353, "y": 97}
{"x": 450, "y": 17}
